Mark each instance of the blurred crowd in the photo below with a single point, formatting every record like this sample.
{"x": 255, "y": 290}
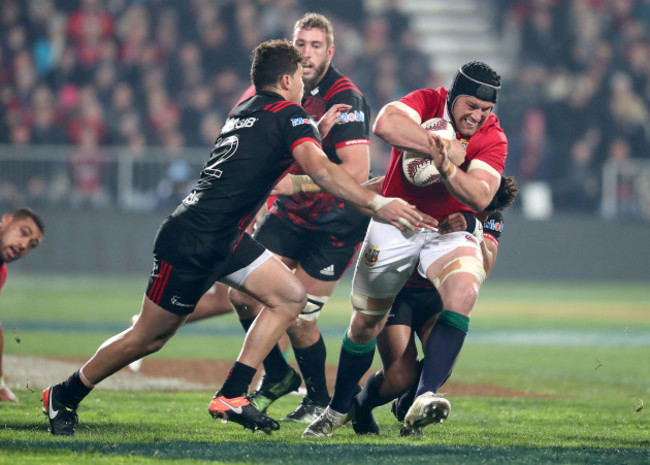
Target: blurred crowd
{"x": 580, "y": 96}
{"x": 163, "y": 73}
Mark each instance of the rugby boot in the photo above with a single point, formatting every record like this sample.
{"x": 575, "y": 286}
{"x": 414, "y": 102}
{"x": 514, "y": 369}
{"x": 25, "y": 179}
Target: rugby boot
{"x": 363, "y": 420}
{"x": 326, "y": 423}
{"x": 426, "y": 409}
{"x": 62, "y": 419}
{"x": 306, "y": 412}
{"x": 239, "y": 410}
{"x": 268, "y": 392}
{"x": 406, "y": 431}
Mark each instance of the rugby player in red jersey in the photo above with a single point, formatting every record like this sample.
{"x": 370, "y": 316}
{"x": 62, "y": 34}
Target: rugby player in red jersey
{"x": 452, "y": 262}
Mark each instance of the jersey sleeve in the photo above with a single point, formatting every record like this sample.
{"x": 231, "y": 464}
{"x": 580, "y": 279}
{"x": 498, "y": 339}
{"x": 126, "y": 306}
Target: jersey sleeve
{"x": 493, "y": 226}
{"x": 353, "y": 127}
{"x": 299, "y": 127}
{"x": 426, "y": 102}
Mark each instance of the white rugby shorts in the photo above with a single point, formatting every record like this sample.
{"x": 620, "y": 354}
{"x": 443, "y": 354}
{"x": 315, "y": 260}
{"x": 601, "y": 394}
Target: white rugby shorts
{"x": 388, "y": 256}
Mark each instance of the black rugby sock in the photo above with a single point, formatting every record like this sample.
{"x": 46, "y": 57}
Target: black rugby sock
{"x": 369, "y": 397}
{"x": 354, "y": 361}
{"x": 72, "y": 391}
{"x": 238, "y": 381}
{"x": 441, "y": 349}
{"x": 311, "y": 361}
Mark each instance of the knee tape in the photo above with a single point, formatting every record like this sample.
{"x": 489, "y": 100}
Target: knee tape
{"x": 360, "y": 304}
{"x": 471, "y": 265}
{"x": 315, "y": 303}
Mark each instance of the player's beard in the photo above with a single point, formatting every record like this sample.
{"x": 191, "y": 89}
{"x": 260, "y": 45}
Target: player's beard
{"x": 319, "y": 72}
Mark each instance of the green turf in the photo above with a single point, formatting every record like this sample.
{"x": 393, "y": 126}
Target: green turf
{"x": 574, "y": 355}
{"x": 120, "y": 426}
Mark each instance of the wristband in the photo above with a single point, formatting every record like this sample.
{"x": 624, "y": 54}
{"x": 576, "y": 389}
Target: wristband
{"x": 303, "y": 183}
{"x": 449, "y": 172}
{"x": 474, "y": 226}
{"x": 379, "y": 201}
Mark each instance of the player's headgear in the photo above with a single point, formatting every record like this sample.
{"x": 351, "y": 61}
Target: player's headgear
{"x": 475, "y": 79}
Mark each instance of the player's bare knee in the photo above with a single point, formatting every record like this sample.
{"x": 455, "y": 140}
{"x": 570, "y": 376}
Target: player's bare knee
{"x": 290, "y": 302}
{"x": 365, "y": 328}
{"x": 238, "y": 300}
{"x": 460, "y": 296}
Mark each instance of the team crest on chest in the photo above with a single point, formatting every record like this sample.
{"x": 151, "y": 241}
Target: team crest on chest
{"x": 371, "y": 255}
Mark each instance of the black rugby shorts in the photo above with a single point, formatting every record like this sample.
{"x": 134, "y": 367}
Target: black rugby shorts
{"x": 322, "y": 255}
{"x": 413, "y": 306}
{"x": 186, "y": 264}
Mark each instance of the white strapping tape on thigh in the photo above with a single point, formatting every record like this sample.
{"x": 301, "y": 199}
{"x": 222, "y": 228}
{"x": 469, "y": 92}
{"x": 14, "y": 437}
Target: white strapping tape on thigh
{"x": 360, "y": 304}
{"x": 315, "y": 303}
{"x": 471, "y": 265}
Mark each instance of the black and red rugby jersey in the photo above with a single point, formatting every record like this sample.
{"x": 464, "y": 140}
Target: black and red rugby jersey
{"x": 322, "y": 211}
{"x": 251, "y": 153}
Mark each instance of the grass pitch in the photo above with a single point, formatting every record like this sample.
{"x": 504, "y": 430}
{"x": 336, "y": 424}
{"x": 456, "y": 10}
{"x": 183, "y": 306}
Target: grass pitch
{"x": 577, "y": 353}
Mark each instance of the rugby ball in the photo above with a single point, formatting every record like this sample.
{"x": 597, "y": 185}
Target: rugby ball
{"x": 419, "y": 168}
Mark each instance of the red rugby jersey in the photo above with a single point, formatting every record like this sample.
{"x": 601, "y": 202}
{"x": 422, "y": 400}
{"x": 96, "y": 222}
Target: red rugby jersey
{"x": 489, "y": 145}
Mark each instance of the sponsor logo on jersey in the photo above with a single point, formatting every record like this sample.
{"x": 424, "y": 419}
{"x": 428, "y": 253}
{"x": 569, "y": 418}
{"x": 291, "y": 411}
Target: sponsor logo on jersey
{"x": 237, "y": 123}
{"x": 352, "y": 117}
{"x": 371, "y": 255}
{"x": 298, "y": 121}
{"x": 493, "y": 225}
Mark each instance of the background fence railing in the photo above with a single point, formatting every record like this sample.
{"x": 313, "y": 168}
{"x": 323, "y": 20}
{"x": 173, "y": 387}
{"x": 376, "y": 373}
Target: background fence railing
{"x": 97, "y": 178}
{"x": 155, "y": 179}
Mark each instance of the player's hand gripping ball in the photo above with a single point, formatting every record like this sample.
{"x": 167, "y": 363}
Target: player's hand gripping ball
{"x": 419, "y": 168}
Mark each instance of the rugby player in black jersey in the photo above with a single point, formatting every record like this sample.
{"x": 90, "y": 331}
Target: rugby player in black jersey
{"x": 415, "y": 310}
{"x": 204, "y": 241}
{"x": 310, "y": 231}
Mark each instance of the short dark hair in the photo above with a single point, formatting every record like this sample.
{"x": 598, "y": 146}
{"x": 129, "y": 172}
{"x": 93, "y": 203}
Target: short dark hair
{"x": 505, "y": 196}
{"x": 26, "y": 212}
{"x": 272, "y": 60}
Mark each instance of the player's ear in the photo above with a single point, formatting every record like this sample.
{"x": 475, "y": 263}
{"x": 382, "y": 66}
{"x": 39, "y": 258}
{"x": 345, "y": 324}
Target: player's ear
{"x": 6, "y": 219}
{"x": 285, "y": 82}
{"x": 330, "y": 52}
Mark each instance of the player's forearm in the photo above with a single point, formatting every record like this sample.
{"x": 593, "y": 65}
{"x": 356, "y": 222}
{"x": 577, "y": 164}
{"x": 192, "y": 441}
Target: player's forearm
{"x": 472, "y": 191}
{"x": 339, "y": 183}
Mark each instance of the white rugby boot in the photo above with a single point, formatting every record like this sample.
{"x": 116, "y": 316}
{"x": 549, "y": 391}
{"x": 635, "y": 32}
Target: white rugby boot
{"x": 427, "y": 408}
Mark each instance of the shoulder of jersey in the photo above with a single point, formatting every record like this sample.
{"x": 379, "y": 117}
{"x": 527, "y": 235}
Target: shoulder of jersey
{"x": 342, "y": 86}
{"x": 277, "y": 107}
